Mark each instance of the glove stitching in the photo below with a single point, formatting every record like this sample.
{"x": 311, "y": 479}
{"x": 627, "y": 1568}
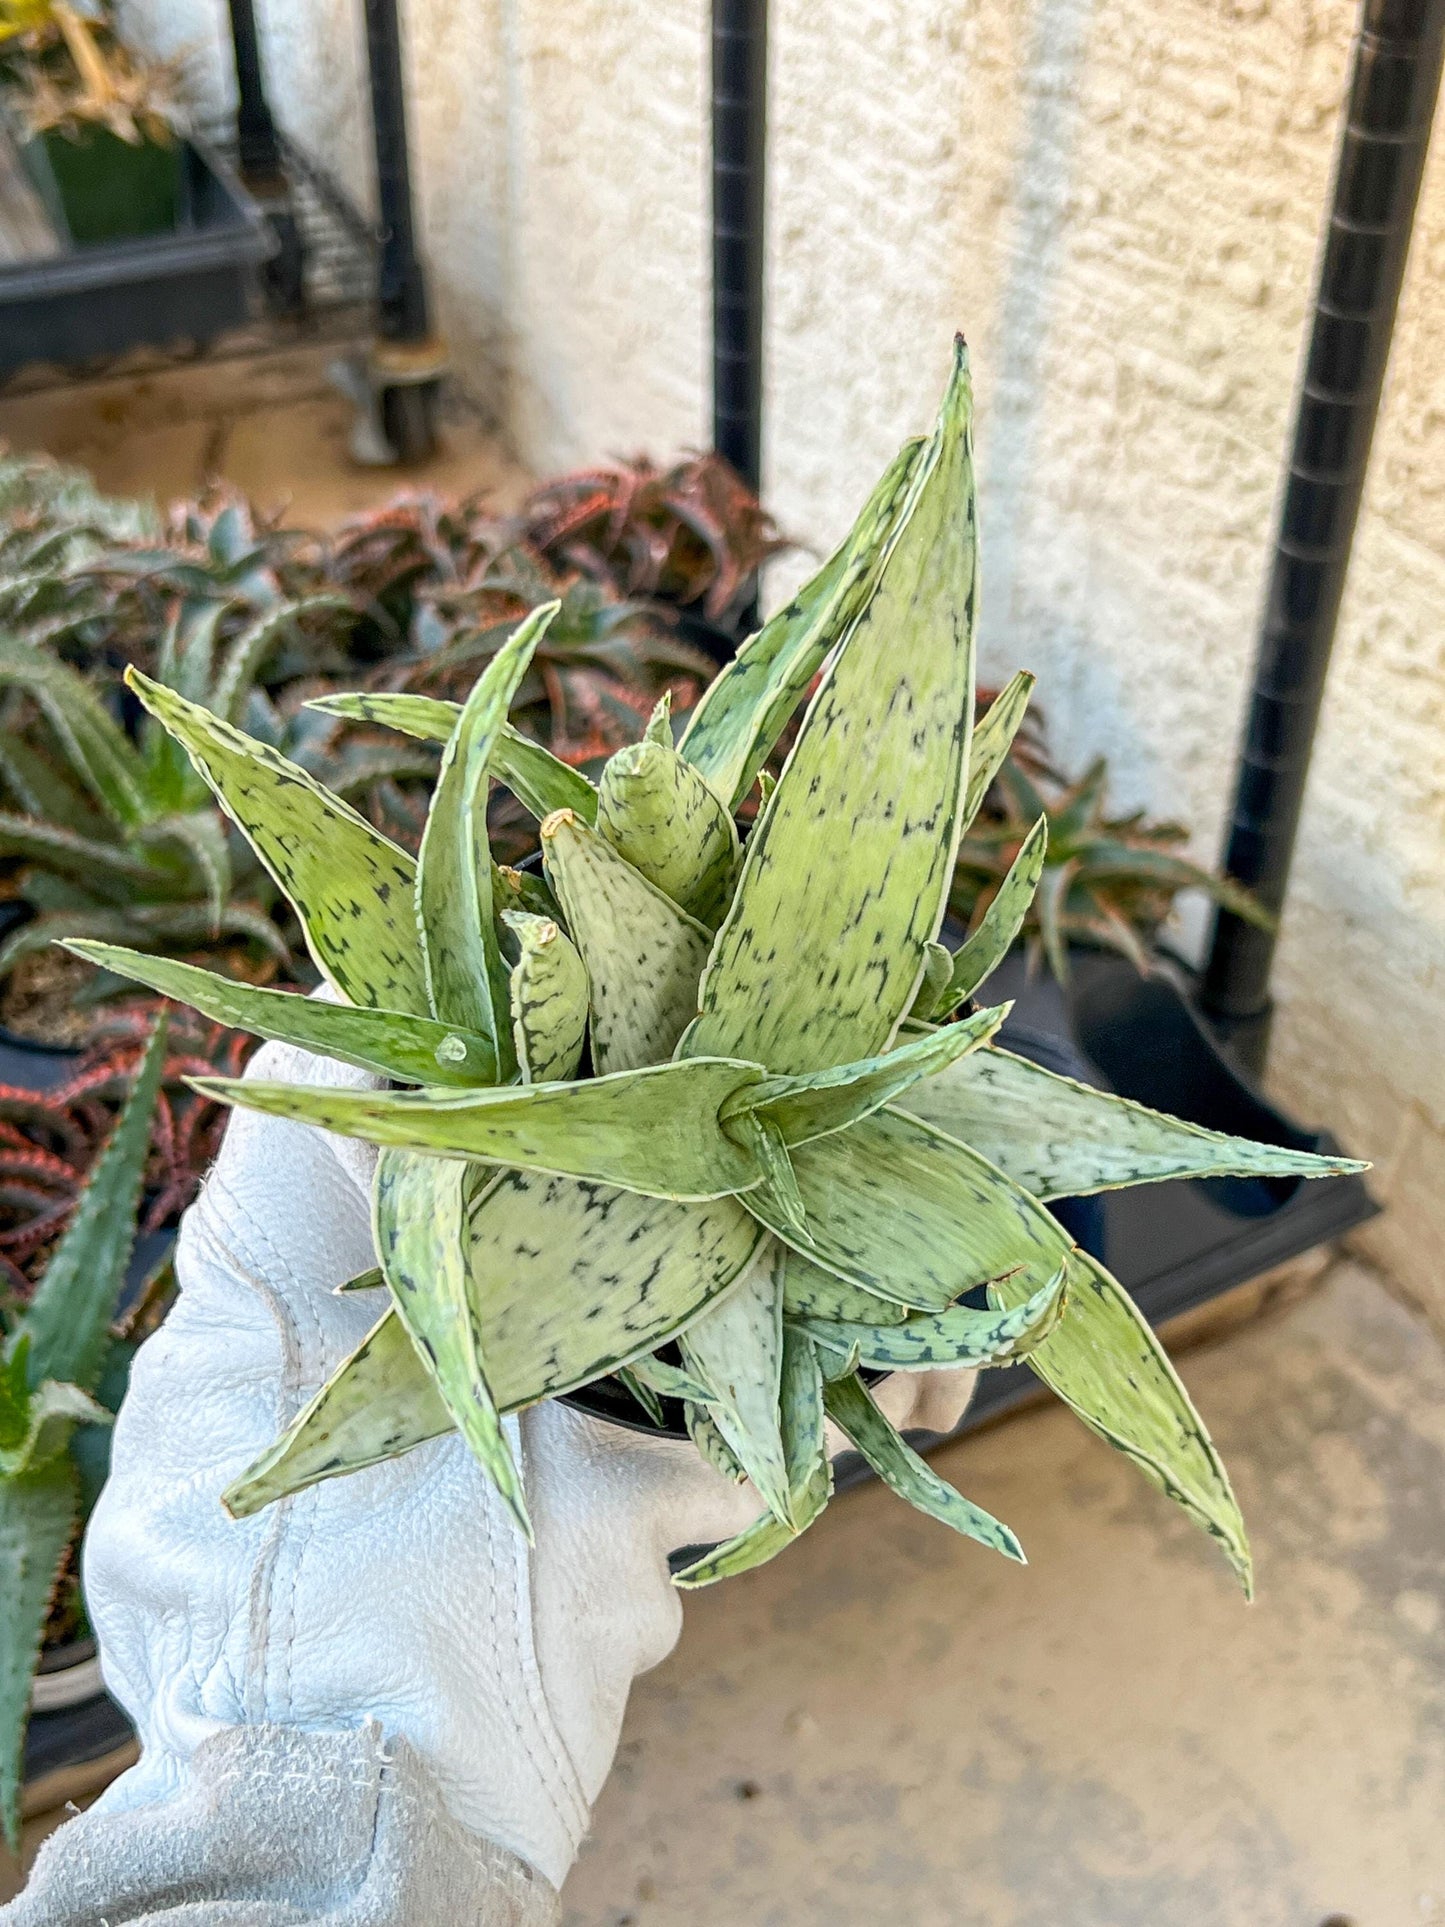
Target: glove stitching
{"x": 516, "y": 1713}
{"x": 265, "y": 1571}
{"x": 524, "y": 1632}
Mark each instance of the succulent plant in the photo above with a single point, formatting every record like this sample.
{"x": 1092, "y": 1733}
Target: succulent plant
{"x": 692, "y": 533}
{"x": 50, "y": 1140}
{"x": 53, "y": 1394}
{"x": 701, "y": 1111}
{"x": 1105, "y": 881}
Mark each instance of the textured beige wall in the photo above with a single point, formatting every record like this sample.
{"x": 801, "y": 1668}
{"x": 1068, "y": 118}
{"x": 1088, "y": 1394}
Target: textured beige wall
{"x": 1119, "y": 206}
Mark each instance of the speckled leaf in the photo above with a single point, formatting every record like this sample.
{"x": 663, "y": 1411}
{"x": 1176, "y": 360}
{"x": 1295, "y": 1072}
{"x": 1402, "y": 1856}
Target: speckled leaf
{"x": 986, "y": 949}
{"x": 736, "y": 1350}
{"x": 659, "y": 723}
{"x": 655, "y": 1130}
{"x": 522, "y": 890}
{"x": 992, "y": 738}
{"x": 803, "y": 1108}
{"x": 844, "y": 879}
{"x": 655, "y": 810}
{"x": 643, "y": 1393}
{"x": 937, "y": 969}
{"x": 1059, "y": 1139}
{"x": 764, "y": 1141}
{"x": 417, "y": 1050}
{"x": 566, "y": 1282}
{"x": 899, "y": 1466}
{"x": 744, "y": 711}
{"x": 540, "y": 781}
{"x": 810, "y": 1478}
{"x": 422, "y": 1238}
{"x": 712, "y": 1445}
{"x": 379, "y": 1404}
{"x": 570, "y": 1280}
{"x": 467, "y": 976}
{"x": 925, "y": 1341}
{"x": 351, "y": 887}
{"x": 644, "y": 956}
{"x": 908, "y": 1214}
{"x": 670, "y": 1381}
{"x": 549, "y": 999}
{"x": 810, "y": 1292}
{"x": 37, "y": 1512}
{"x": 1106, "y": 1364}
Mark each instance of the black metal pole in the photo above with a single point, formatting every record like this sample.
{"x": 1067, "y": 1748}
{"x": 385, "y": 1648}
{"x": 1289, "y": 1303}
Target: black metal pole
{"x": 739, "y": 147}
{"x": 263, "y": 168}
{"x": 406, "y": 353}
{"x": 1394, "y": 81}
{"x": 257, "y": 147}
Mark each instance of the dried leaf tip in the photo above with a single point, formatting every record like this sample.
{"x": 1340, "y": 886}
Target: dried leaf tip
{"x": 558, "y": 820}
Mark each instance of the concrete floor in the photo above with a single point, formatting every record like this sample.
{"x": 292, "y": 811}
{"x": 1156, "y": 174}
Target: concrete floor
{"x": 887, "y": 1724}
{"x": 890, "y": 1725}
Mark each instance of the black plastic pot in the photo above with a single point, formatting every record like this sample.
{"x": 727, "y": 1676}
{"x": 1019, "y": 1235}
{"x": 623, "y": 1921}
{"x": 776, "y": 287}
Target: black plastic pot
{"x": 188, "y": 285}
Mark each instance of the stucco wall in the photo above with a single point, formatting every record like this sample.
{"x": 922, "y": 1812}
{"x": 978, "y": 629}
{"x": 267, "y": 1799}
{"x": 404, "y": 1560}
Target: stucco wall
{"x": 1119, "y": 206}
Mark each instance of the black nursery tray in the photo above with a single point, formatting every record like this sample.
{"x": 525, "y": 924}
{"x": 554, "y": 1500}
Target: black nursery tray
{"x": 89, "y": 303}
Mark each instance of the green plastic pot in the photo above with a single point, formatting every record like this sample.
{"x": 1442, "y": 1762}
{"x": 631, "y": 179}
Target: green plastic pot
{"x": 98, "y": 187}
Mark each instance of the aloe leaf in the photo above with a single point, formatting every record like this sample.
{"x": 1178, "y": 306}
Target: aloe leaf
{"x": 659, "y": 723}
{"x": 810, "y": 1478}
{"x": 351, "y": 887}
{"x": 73, "y": 854}
{"x": 41, "y": 789}
{"x": 1107, "y": 1366}
{"x": 644, "y": 956}
{"x": 36, "y": 1424}
{"x": 37, "y": 1514}
{"x": 804, "y": 1108}
{"x": 899, "y": 1466}
{"x": 744, "y": 711}
{"x": 937, "y": 969}
{"x": 910, "y": 1215}
{"x": 417, "y": 1050}
{"x": 540, "y": 781}
{"x": 669, "y": 1381}
{"x": 380, "y": 1403}
{"x": 517, "y": 890}
{"x": 572, "y": 1280}
{"x": 643, "y": 1393}
{"x": 202, "y": 837}
{"x": 653, "y": 1130}
{"x": 68, "y": 1319}
{"x": 549, "y": 999}
{"x": 993, "y": 737}
{"x": 1060, "y": 1139}
{"x": 658, "y": 812}
{"x": 995, "y": 936}
{"x": 368, "y": 1280}
{"x": 926, "y": 1341}
{"x": 422, "y": 1237}
{"x": 764, "y": 1141}
{"x": 465, "y": 970}
{"x": 712, "y": 1446}
{"x": 844, "y": 879}
{"x": 566, "y": 1282}
{"x": 810, "y": 1293}
{"x": 95, "y": 745}
{"x": 736, "y": 1350}
{"x": 247, "y": 655}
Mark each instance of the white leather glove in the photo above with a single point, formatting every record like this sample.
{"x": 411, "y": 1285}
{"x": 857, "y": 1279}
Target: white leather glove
{"x": 378, "y": 1666}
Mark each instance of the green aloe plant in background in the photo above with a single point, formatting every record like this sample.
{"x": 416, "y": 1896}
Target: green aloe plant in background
{"x": 54, "y": 1362}
{"x": 1105, "y": 881}
{"x": 699, "y": 1111}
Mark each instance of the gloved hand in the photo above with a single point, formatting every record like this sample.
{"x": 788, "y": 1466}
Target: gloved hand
{"x": 371, "y": 1703}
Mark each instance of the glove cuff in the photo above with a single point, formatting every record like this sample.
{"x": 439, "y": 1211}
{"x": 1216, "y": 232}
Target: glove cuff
{"x": 278, "y": 1827}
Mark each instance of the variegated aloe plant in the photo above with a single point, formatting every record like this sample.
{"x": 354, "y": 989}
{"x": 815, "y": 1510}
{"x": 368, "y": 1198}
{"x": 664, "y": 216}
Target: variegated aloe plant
{"x": 701, "y": 1114}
